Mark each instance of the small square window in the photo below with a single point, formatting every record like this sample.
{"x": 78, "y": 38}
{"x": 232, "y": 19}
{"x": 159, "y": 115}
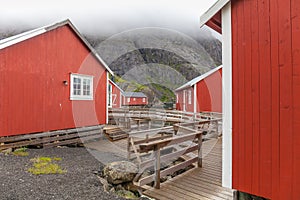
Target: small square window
{"x": 81, "y": 87}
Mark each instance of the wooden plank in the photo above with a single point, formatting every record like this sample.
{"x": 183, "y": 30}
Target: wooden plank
{"x": 248, "y": 94}
{"x": 255, "y": 98}
{"x": 275, "y": 98}
{"x": 265, "y": 100}
{"x": 295, "y": 10}
{"x": 198, "y": 190}
{"x": 286, "y": 131}
{"x": 168, "y": 171}
{"x": 235, "y": 97}
{"x": 241, "y": 97}
{"x": 168, "y": 157}
{"x": 168, "y": 141}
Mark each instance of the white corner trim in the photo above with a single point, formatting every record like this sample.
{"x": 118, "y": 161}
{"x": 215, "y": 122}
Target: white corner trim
{"x": 227, "y": 96}
{"x": 212, "y": 11}
{"x": 106, "y": 95}
{"x": 195, "y": 98}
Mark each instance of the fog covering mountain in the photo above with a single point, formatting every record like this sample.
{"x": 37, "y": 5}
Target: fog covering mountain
{"x": 154, "y": 60}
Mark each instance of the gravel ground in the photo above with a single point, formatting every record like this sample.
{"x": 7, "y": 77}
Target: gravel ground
{"x": 79, "y": 182}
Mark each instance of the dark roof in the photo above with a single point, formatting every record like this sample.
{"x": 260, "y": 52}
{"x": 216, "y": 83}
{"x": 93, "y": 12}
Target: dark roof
{"x": 134, "y": 94}
{"x": 35, "y": 32}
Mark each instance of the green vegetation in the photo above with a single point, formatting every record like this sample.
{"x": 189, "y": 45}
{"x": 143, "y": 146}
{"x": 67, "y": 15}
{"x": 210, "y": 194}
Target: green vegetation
{"x": 20, "y": 152}
{"x": 126, "y": 194}
{"x": 45, "y": 165}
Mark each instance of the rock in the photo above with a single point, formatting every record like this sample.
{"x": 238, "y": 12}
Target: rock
{"x": 120, "y": 172}
{"x": 105, "y": 184}
{"x": 112, "y": 190}
{"x": 119, "y": 187}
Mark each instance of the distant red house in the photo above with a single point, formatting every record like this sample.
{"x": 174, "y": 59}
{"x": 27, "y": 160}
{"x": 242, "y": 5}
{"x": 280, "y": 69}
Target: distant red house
{"x": 261, "y": 107}
{"x": 134, "y": 99}
{"x": 115, "y": 95}
{"x": 51, "y": 79}
{"x": 203, "y": 93}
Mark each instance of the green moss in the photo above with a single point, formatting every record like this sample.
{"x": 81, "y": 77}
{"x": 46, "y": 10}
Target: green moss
{"x": 126, "y": 194}
{"x": 45, "y": 165}
{"x": 20, "y": 152}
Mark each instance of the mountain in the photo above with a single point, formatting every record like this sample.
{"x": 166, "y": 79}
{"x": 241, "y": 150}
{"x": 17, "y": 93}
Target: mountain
{"x": 157, "y": 61}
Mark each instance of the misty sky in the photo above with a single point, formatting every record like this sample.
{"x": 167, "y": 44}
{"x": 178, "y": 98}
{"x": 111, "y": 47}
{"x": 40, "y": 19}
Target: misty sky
{"x": 107, "y": 16}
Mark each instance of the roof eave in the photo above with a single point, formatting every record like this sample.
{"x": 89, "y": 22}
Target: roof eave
{"x": 212, "y": 11}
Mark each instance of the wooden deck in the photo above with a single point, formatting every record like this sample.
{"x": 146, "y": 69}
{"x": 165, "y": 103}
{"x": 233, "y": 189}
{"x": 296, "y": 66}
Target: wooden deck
{"x": 198, "y": 183}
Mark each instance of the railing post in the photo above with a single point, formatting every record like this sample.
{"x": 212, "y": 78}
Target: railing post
{"x": 199, "y": 163}
{"x": 128, "y": 148}
{"x": 157, "y": 167}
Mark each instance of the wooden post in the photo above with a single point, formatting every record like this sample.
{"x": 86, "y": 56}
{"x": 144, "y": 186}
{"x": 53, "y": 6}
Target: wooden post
{"x": 199, "y": 163}
{"x": 128, "y": 148}
{"x": 157, "y": 167}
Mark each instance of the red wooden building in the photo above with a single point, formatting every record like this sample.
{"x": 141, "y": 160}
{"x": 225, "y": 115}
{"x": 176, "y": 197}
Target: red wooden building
{"x": 134, "y": 99}
{"x": 51, "y": 79}
{"x": 115, "y": 95}
{"x": 261, "y": 107}
{"x": 203, "y": 93}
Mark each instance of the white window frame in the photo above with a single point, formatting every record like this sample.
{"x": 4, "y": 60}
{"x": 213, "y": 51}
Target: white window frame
{"x": 81, "y": 96}
{"x": 189, "y": 97}
{"x": 109, "y": 96}
{"x": 128, "y": 99}
{"x": 144, "y": 100}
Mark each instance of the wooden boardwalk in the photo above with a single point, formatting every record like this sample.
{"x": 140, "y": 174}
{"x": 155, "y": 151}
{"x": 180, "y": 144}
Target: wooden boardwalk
{"x": 198, "y": 183}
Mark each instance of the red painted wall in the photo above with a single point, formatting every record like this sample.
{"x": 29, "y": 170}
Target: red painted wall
{"x": 266, "y": 92}
{"x": 135, "y": 101}
{"x": 116, "y": 96}
{"x": 209, "y": 93}
{"x": 33, "y": 96}
{"x": 183, "y": 102}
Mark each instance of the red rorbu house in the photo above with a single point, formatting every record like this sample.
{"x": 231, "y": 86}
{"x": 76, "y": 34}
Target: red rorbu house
{"x": 134, "y": 99}
{"x": 261, "y": 107}
{"x": 203, "y": 93}
{"x": 51, "y": 79}
{"x": 114, "y": 95}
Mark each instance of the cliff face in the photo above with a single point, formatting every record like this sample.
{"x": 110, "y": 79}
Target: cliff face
{"x": 157, "y": 61}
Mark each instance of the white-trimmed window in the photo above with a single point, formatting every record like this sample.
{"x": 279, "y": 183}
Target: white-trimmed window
{"x": 128, "y": 99}
{"x": 189, "y": 97}
{"x": 81, "y": 87}
{"x": 144, "y": 100}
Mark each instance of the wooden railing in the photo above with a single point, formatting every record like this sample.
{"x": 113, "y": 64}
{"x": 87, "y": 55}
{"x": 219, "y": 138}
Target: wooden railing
{"x": 157, "y": 146}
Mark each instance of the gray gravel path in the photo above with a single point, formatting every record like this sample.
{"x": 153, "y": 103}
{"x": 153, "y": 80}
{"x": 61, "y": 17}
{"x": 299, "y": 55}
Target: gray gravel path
{"x": 78, "y": 182}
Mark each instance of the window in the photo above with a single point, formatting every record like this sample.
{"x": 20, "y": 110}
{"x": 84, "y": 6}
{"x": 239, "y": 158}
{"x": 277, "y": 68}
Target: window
{"x": 144, "y": 100}
{"x": 189, "y": 97}
{"x": 81, "y": 87}
{"x": 177, "y": 100}
{"x": 134, "y": 99}
{"x": 128, "y": 100}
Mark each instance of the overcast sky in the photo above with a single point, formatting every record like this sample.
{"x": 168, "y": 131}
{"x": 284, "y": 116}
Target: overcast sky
{"x": 109, "y": 16}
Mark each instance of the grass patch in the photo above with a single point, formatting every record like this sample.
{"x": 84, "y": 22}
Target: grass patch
{"x": 20, "y": 152}
{"x": 126, "y": 194}
{"x": 45, "y": 165}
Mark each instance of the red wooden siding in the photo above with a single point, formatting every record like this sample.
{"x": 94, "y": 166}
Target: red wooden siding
{"x": 135, "y": 101}
{"x": 209, "y": 93}
{"x": 183, "y": 100}
{"x": 33, "y": 96}
{"x": 266, "y": 85}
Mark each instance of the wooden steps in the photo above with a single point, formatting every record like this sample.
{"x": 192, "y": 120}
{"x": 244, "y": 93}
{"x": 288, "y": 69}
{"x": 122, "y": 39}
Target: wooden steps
{"x": 52, "y": 138}
{"x": 114, "y": 132}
